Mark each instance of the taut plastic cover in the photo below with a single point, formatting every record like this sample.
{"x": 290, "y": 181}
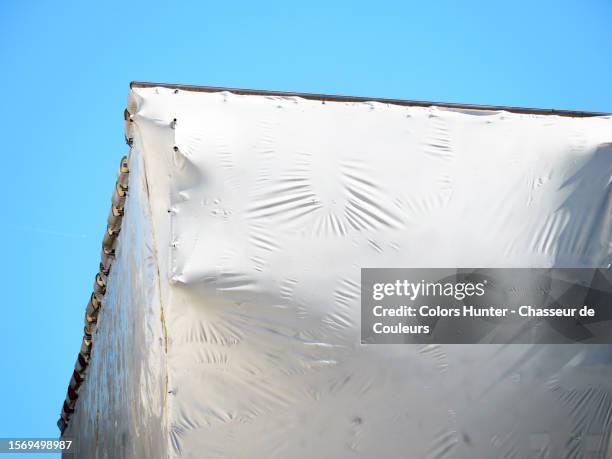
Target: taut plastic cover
{"x": 231, "y": 323}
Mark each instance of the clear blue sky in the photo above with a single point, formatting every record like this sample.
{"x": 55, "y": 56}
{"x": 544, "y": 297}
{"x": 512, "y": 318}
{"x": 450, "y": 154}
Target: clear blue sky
{"x": 64, "y": 74}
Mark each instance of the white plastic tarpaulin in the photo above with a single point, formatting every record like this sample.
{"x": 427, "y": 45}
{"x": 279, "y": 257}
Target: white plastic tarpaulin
{"x": 230, "y": 319}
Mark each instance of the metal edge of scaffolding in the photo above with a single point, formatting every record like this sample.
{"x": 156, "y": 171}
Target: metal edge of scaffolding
{"x": 342, "y": 98}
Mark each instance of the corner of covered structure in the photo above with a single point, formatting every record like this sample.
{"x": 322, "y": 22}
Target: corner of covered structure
{"x": 133, "y": 103}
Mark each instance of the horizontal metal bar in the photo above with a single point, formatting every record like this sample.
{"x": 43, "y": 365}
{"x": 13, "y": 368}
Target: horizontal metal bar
{"x": 340, "y": 98}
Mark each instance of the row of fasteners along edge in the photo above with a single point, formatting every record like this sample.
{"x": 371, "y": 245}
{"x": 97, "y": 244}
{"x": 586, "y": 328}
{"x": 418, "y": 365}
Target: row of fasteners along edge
{"x": 96, "y": 300}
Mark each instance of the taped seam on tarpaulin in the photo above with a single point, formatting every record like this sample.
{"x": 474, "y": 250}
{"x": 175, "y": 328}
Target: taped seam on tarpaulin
{"x": 96, "y": 299}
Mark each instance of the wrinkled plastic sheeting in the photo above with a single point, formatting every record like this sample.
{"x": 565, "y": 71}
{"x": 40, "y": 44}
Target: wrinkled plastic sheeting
{"x": 120, "y": 410}
{"x": 263, "y": 211}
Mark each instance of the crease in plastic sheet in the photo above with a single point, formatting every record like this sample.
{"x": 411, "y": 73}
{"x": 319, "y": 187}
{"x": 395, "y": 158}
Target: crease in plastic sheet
{"x": 120, "y": 411}
{"x": 264, "y": 210}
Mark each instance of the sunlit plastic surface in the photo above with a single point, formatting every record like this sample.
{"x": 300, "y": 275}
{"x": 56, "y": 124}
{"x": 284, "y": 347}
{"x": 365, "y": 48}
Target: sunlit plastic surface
{"x": 234, "y": 323}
